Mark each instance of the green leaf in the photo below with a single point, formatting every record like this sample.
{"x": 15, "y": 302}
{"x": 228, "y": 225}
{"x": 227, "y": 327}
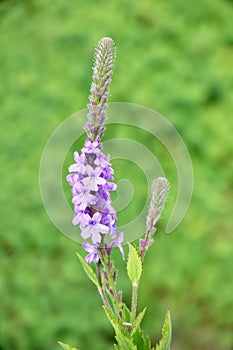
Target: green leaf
{"x": 112, "y": 318}
{"x": 138, "y": 321}
{"x": 87, "y": 268}
{"x": 66, "y": 347}
{"x": 125, "y": 342}
{"x": 134, "y": 265}
{"x": 147, "y": 345}
{"x": 140, "y": 341}
{"x": 126, "y": 314}
{"x": 165, "y": 342}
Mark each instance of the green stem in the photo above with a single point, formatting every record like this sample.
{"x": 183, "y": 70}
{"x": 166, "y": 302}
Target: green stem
{"x": 134, "y": 302}
{"x": 112, "y": 297}
{"x": 101, "y": 289}
{"x": 104, "y": 298}
{"x": 113, "y": 287}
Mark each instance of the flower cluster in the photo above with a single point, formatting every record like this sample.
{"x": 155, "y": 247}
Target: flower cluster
{"x": 90, "y": 178}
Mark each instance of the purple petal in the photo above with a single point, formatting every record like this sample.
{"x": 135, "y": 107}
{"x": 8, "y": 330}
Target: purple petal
{"x": 93, "y": 253}
{"x": 103, "y": 229}
{"x": 86, "y": 233}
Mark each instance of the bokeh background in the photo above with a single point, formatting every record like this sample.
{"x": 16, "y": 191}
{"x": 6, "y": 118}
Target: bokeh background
{"x": 173, "y": 56}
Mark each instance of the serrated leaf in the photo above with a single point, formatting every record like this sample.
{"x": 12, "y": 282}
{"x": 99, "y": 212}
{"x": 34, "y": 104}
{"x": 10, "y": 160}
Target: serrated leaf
{"x": 66, "y": 346}
{"x": 165, "y": 342}
{"x": 147, "y": 345}
{"x": 140, "y": 341}
{"x": 112, "y": 318}
{"x": 138, "y": 321}
{"x": 134, "y": 265}
{"x": 87, "y": 268}
{"x": 124, "y": 341}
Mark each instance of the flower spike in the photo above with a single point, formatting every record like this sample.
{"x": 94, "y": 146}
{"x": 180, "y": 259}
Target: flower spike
{"x": 91, "y": 175}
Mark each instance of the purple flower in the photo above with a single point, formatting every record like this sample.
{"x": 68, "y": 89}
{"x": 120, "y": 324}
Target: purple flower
{"x": 72, "y": 179}
{"x": 83, "y": 197}
{"x": 79, "y": 218}
{"x": 117, "y": 243}
{"x": 94, "y": 228}
{"x": 92, "y": 147}
{"x": 93, "y": 253}
{"x": 93, "y": 178}
{"x": 80, "y": 165}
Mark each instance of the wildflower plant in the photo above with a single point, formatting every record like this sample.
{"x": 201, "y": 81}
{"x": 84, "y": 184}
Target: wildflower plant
{"x": 91, "y": 179}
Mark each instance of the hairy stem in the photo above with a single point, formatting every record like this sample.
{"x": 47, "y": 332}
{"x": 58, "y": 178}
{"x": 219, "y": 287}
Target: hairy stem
{"x": 101, "y": 288}
{"x": 112, "y": 292}
{"x": 134, "y": 302}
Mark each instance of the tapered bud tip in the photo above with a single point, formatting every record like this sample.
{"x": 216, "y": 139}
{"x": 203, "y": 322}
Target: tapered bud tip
{"x": 106, "y": 41}
{"x": 159, "y": 191}
{"x": 106, "y": 44}
{"x": 160, "y": 187}
{"x": 105, "y": 53}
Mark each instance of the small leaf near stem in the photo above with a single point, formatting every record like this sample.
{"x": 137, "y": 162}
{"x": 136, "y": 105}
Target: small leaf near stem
{"x": 95, "y": 278}
{"x": 134, "y": 270}
{"x": 134, "y": 265}
{"x": 87, "y": 268}
{"x": 138, "y": 321}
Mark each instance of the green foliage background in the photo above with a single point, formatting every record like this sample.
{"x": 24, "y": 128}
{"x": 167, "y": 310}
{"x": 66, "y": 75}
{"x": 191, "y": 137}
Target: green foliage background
{"x": 173, "y": 56}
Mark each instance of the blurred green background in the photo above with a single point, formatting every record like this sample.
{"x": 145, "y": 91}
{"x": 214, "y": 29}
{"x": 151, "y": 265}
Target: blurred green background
{"x": 173, "y": 56}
